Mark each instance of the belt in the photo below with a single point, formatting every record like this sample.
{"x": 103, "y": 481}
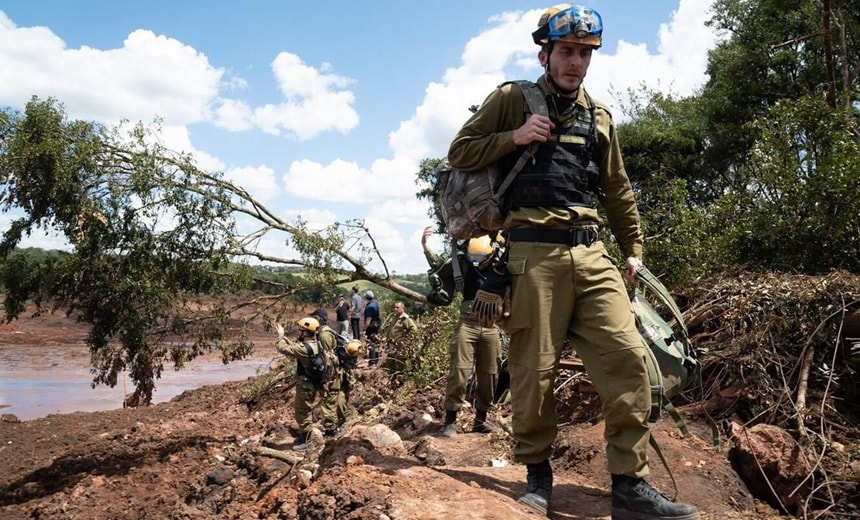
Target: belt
{"x": 570, "y": 237}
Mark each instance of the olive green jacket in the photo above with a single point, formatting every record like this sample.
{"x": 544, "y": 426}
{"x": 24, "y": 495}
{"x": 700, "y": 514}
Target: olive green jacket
{"x": 488, "y": 136}
{"x": 400, "y": 328}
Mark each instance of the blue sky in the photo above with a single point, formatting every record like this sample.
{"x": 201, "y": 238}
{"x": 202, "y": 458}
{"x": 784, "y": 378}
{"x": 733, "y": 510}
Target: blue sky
{"x": 321, "y": 110}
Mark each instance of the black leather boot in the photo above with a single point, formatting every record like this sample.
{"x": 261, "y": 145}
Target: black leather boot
{"x": 538, "y": 487}
{"x": 450, "y": 428}
{"x": 635, "y": 499}
{"x": 481, "y": 425}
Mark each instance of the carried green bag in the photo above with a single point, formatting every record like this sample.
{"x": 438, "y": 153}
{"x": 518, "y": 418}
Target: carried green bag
{"x": 445, "y": 278}
{"x": 672, "y": 362}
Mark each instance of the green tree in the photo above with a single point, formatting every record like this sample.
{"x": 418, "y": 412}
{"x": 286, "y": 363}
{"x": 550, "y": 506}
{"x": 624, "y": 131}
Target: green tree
{"x": 800, "y": 211}
{"x": 426, "y": 177}
{"x": 774, "y": 50}
{"x": 758, "y": 167}
{"x": 150, "y": 232}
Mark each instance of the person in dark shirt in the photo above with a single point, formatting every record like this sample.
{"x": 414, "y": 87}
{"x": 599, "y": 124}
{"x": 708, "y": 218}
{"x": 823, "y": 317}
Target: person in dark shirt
{"x": 341, "y": 310}
{"x": 372, "y": 323}
{"x": 355, "y": 313}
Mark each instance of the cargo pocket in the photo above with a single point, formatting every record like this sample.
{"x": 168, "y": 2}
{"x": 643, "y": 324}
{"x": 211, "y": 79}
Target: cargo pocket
{"x": 519, "y": 318}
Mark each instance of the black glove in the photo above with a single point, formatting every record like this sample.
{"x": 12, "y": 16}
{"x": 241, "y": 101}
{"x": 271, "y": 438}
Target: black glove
{"x": 489, "y": 303}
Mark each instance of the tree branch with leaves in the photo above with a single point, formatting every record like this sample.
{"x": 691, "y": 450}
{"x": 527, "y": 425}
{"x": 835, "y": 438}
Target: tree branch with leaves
{"x": 151, "y": 236}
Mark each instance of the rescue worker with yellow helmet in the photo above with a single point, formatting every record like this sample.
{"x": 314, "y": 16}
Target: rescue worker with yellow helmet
{"x": 473, "y": 346}
{"x": 562, "y": 282}
{"x": 306, "y": 390}
{"x": 333, "y": 406}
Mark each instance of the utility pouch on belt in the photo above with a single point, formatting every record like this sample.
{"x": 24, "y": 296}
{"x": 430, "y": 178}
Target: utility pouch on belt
{"x": 489, "y": 303}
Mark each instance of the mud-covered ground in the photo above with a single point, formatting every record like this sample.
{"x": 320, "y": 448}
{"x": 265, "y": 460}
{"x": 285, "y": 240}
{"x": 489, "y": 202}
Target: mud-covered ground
{"x": 196, "y": 457}
{"x": 199, "y": 456}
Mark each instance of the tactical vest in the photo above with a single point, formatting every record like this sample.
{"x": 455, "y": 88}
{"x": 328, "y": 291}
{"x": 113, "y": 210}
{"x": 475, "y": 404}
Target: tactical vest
{"x": 563, "y": 171}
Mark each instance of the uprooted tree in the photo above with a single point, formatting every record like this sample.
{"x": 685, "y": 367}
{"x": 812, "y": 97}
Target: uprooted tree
{"x": 150, "y": 233}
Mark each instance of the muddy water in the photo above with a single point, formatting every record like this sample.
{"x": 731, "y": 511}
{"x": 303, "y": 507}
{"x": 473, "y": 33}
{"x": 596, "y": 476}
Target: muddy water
{"x": 38, "y": 380}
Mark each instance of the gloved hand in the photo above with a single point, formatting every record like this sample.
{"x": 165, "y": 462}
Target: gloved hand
{"x": 489, "y": 303}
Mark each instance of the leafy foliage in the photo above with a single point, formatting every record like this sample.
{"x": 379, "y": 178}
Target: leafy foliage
{"x": 758, "y": 168}
{"x": 423, "y": 359}
{"x": 150, "y": 234}
{"x": 800, "y": 211}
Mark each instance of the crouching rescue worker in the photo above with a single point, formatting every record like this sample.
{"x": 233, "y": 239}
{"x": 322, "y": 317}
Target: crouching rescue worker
{"x": 313, "y": 377}
{"x": 563, "y": 283}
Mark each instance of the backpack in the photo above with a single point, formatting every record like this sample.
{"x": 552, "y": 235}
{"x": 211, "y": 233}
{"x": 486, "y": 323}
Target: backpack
{"x": 445, "y": 278}
{"x": 470, "y": 202}
{"x": 672, "y": 361}
{"x": 321, "y": 364}
{"x": 343, "y": 357}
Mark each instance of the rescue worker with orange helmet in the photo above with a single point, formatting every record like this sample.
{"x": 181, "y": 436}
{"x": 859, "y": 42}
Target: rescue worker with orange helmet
{"x": 562, "y": 282}
{"x": 473, "y": 346}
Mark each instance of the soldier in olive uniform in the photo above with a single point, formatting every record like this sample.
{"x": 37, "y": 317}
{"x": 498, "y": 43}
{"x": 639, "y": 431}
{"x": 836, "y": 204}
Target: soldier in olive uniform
{"x": 306, "y": 390}
{"x": 563, "y": 283}
{"x": 333, "y": 405}
{"x": 473, "y": 347}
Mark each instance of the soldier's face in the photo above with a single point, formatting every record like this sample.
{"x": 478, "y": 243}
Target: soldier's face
{"x": 568, "y": 63}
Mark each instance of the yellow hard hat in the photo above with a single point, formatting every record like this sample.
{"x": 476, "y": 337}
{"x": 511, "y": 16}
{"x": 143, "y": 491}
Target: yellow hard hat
{"x": 309, "y": 324}
{"x": 570, "y": 23}
{"x": 353, "y": 347}
{"x": 479, "y": 249}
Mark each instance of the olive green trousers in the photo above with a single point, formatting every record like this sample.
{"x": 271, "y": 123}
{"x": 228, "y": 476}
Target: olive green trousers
{"x": 576, "y": 292}
{"x": 333, "y": 405}
{"x": 472, "y": 348}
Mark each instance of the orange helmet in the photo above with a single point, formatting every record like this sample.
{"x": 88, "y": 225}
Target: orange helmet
{"x": 353, "y": 347}
{"x": 479, "y": 249}
{"x": 570, "y": 23}
{"x": 309, "y": 325}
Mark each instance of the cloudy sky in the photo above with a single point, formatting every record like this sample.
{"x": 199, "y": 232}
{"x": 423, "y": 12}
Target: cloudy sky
{"x": 321, "y": 110}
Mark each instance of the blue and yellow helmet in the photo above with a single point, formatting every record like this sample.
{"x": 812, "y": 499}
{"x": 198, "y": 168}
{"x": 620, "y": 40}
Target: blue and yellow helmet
{"x": 570, "y": 23}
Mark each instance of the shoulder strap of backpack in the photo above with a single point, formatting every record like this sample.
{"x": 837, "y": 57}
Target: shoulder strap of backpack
{"x": 455, "y": 265}
{"x": 300, "y": 368}
{"x": 656, "y": 286}
{"x": 536, "y": 105}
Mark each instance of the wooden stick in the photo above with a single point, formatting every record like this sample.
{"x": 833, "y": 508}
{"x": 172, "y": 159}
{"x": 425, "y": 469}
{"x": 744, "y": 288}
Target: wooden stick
{"x": 278, "y": 454}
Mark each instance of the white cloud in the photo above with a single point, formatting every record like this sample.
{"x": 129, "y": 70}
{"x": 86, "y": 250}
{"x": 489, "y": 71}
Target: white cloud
{"x": 339, "y": 181}
{"x": 154, "y": 76}
{"x": 314, "y": 102}
{"x": 397, "y": 253}
{"x": 314, "y": 217}
{"x": 258, "y": 181}
{"x": 412, "y": 212}
{"x": 148, "y": 72}
{"x": 234, "y": 115}
{"x": 678, "y": 66}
